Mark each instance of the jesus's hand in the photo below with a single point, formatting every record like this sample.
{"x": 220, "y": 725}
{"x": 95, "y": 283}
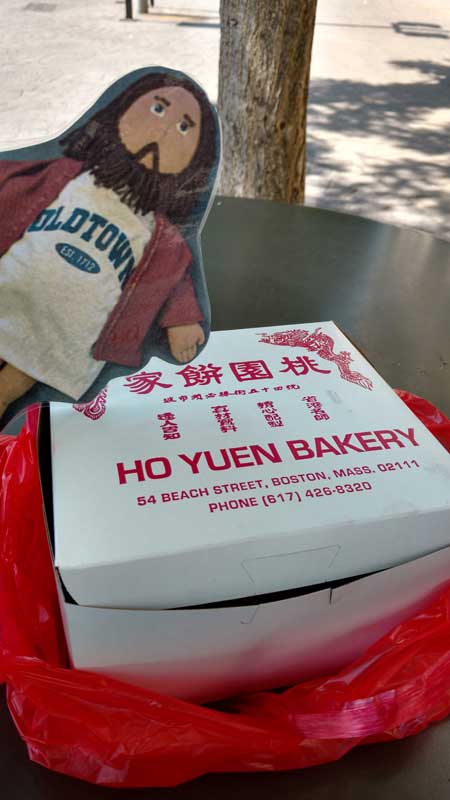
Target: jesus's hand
{"x": 184, "y": 340}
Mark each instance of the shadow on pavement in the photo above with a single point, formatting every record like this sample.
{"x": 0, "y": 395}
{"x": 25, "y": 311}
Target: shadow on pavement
{"x": 404, "y": 27}
{"x": 397, "y": 114}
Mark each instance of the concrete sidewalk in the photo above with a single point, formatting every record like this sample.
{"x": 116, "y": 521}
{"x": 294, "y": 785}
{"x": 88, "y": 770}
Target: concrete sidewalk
{"x": 379, "y": 110}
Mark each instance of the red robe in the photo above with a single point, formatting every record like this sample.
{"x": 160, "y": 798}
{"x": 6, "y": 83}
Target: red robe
{"x": 160, "y": 280}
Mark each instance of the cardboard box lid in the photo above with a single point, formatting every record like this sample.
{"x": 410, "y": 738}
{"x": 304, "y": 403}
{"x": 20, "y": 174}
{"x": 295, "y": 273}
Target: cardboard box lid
{"x": 275, "y": 460}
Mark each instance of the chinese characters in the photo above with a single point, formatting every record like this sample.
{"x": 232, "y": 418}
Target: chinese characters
{"x": 315, "y": 406}
{"x": 145, "y": 382}
{"x": 212, "y": 374}
{"x": 169, "y": 426}
{"x": 224, "y": 418}
{"x": 270, "y": 414}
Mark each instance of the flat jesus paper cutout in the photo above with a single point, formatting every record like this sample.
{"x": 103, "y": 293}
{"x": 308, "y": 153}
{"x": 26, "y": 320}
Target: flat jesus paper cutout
{"x": 100, "y": 258}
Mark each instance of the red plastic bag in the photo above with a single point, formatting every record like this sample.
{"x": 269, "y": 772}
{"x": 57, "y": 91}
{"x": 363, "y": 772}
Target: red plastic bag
{"x": 110, "y": 733}
{"x": 429, "y": 415}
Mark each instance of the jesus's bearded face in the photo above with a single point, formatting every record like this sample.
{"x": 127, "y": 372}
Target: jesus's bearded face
{"x": 161, "y": 129}
{"x": 155, "y": 145}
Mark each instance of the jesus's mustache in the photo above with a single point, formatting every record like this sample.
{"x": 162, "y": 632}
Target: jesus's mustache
{"x": 153, "y": 147}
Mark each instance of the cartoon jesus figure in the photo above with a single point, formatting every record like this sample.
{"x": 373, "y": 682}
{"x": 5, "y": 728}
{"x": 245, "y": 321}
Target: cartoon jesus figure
{"x": 93, "y": 245}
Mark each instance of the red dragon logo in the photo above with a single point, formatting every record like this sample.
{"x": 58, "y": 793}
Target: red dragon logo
{"x": 96, "y": 408}
{"x": 321, "y": 344}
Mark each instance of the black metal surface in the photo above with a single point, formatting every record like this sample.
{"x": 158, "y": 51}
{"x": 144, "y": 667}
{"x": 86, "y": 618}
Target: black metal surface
{"x": 128, "y": 9}
{"x": 388, "y": 288}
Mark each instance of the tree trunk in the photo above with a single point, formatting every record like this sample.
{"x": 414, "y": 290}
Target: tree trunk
{"x": 265, "y": 57}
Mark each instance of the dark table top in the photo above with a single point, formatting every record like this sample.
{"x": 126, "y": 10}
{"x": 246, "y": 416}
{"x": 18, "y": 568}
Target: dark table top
{"x": 388, "y": 288}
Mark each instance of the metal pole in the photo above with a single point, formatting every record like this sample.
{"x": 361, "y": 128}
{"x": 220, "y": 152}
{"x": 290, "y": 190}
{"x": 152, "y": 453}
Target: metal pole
{"x": 128, "y": 9}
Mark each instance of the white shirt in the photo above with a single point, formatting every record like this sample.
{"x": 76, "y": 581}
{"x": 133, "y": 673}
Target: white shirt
{"x": 60, "y": 281}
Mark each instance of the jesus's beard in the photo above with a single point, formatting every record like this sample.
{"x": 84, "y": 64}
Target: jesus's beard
{"x": 140, "y": 188}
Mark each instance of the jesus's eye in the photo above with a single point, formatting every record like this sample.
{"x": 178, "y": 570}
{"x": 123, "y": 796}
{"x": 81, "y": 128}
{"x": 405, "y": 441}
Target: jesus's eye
{"x": 183, "y": 127}
{"x": 158, "y": 109}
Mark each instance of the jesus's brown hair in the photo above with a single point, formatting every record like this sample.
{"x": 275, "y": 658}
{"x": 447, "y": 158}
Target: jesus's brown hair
{"x": 97, "y": 144}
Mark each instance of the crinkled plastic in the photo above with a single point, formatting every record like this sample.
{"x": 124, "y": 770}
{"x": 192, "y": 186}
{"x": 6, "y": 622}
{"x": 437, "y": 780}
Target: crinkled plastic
{"x": 429, "y": 415}
{"x": 109, "y": 733}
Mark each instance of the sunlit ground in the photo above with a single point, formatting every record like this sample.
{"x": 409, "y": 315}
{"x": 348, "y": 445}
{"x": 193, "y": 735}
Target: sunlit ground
{"x": 379, "y": 110}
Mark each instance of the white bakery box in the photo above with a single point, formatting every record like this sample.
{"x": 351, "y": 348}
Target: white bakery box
{"x": 255, "y": 518}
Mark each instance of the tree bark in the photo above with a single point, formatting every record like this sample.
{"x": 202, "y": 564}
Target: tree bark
{"x": 265, "y": 57}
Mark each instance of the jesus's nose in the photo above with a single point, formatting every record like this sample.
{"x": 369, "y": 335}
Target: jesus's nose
{"x": 162, "y": 129}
